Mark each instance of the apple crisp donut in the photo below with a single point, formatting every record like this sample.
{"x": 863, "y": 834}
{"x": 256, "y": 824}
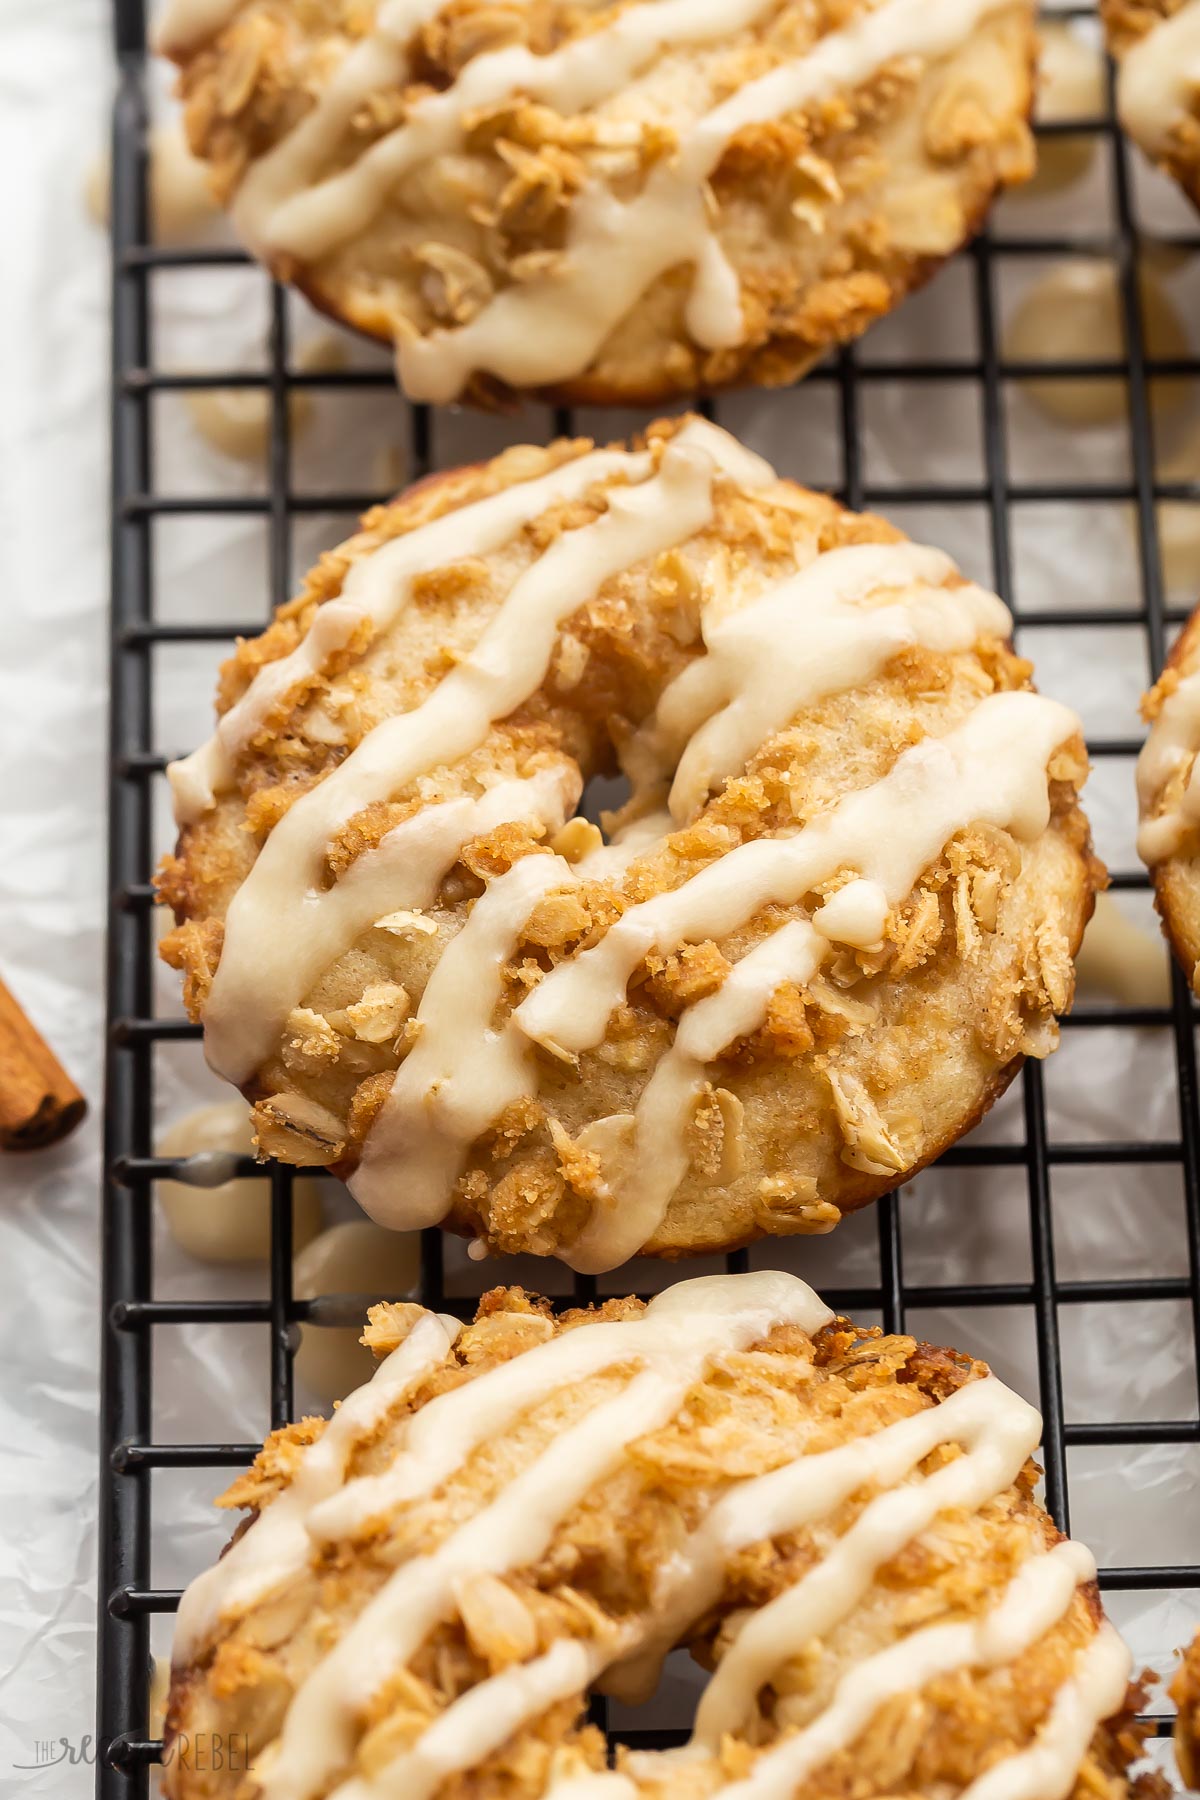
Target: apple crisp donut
{"x": 1157, "y": 45}
{"x": 620, "y": 200}
{"x": 840, "y": 1525}
{"x": 840, "y": 905}
{"x": 1168, "y": 799}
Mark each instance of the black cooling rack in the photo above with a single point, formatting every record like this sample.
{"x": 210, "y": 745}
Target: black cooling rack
{"x": 132, "y": 1313}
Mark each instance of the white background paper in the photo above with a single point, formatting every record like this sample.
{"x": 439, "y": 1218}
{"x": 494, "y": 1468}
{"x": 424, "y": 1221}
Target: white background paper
{"x": 1131, "y": 1361}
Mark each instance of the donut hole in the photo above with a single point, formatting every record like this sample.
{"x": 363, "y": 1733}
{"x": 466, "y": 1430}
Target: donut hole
{"x": 668, "y": 1709}
{"x": 603, "y": 796}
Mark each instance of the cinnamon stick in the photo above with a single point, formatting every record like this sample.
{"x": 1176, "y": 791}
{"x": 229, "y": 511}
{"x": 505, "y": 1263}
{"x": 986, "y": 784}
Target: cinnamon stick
{"x": 39, "y": 1103}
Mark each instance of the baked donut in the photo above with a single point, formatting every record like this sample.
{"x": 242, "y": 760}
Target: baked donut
{"x": 840, "y": 904}
{"x": 842, "y": 1526}
{"x": 604, "y": 201}
{"x": 1168, "y": 800}
{"x": 1157, "y": 44}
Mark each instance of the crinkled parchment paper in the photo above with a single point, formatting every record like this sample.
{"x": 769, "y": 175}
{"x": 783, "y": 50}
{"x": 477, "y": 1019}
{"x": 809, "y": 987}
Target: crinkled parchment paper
{"x": 1120, "y": 1362}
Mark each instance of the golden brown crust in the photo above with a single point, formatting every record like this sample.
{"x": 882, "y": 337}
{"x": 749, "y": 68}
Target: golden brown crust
{"x": 841, "y": 1098}
{"x": 1177, "y": 880}
{"x": 1127, "y": 23}
{"x": 788, "y": 1395}
{"x": 830, "y": 217}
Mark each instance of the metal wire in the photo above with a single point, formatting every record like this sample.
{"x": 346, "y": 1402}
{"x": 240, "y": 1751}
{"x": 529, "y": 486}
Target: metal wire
{"x": 131, "y": 1312}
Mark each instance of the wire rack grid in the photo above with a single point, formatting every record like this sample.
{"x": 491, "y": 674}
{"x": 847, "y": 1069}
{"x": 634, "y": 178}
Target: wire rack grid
{"x": 131, "y": 1312}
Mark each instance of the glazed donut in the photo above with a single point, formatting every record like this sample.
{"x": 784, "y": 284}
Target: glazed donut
{"x": 842, "y": 1526}
{"x": 613, "y": 200}
{"x": 1157, "y": 44}
{"x": 840, "y": 904}
{"x": 1168, "y": 799}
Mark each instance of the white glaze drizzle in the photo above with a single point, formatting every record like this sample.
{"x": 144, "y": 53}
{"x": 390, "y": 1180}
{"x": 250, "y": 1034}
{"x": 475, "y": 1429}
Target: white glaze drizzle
{"x": 283, "y": 890}
{"x": 1172, "y": 743}
{"x": 680, "y": 1332}
{"x": 1159, "y": 78}
{"x": 798, "y": 1495}
{"x": 461, "y": 1073}
{"x": 266, "y": 975}
{"x": 889, "y": 832}
{"x": 807, "y": 637}
{"x": 1034, "y": 1601}
{"x": 446, "y": 1432}
{"x": 991, "y": 769}
{"x": 277, "y": 1545}
{"x": 377, "y": 591}
{"x": 483, "y": 1719}
{"x": 1048, "y": 1769}
{"x": 642, "y": 1174}
{"x": 999, "y": 1431}
{"x": 548, "y": 330}
{"x": 378, "y": 63}
{"x": 277, "y": 209}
